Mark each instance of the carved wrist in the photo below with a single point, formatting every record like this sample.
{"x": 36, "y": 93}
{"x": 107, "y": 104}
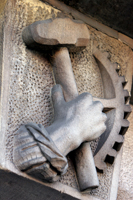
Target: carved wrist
{"x": 65, "y": 135}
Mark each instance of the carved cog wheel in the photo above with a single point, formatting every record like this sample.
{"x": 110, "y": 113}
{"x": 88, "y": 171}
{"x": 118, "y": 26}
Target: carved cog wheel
{"x": 115, "y": 106}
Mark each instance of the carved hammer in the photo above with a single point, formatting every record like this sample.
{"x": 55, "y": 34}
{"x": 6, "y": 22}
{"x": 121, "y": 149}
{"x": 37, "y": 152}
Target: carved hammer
{"x": 60, "y": 34}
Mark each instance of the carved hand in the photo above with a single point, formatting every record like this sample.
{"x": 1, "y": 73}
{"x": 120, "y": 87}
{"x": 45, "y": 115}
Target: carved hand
{"x": 76, "y": 121}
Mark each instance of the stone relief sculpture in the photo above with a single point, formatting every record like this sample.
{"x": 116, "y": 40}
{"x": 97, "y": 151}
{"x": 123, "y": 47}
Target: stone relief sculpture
{"x": 40, "y": 151}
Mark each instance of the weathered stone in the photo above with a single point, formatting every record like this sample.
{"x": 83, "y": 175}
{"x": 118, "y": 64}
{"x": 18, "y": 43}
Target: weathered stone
{"x": 26, "y": 82}
{"x": 117, "y": 102}
{"x": 63, "y": 73}
{"x": 70, "y": 34}
{"x": 57, "y": 32}
{"x": 34, "y": 146}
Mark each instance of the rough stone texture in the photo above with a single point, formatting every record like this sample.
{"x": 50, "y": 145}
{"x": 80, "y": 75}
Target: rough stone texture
{"x": 31, "y": 78}
{"x": 119, "y": 53}
{"x": 70, "y": 178}
{"x": 44, "y": 33}
{"x": 34, "y": 144}
{"x": 116, "y": 14}
{"x": 2, "y": 6}
{"x": 1, "y": 45}
{"x": 31, "y": 74}
{"x": 125, "y": 189}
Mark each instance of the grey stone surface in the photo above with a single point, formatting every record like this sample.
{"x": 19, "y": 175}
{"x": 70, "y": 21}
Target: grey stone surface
{"x": 64, "y": 76}
{"x": 125, "y": 189}
{"x": 70, "y": 33}
{"x": 35, "y": 153}
{"x": 33, "y": 145}
{"x": 56, "y": 33}
{"x": 27, "y": 100}
{"x": 115, "y": 100}
{"x": 2, "y": 6}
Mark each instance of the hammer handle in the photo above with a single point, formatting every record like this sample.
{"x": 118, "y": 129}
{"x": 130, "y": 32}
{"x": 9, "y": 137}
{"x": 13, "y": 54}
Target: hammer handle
{"x": 63, "y": 74}
{"x": 85, "y": 167}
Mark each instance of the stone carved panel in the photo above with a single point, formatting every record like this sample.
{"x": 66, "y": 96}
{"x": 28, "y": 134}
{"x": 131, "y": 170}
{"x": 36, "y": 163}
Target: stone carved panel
{"x": 85, "y": 60}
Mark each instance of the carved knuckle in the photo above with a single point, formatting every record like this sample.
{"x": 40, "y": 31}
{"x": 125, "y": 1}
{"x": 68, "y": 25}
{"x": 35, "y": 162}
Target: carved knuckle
{"x": 87, "y": 96}
{"x": 99, "y": 105}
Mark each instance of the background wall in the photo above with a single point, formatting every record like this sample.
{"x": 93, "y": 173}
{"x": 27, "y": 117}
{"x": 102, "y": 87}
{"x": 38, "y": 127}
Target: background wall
{"x": 30, "y": 80}
{"x": 125, "y": 189}
{"x": 117, "y": 14}
{"x": 2, "y": 6}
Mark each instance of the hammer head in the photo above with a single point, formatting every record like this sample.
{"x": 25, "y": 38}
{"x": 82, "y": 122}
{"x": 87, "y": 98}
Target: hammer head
{"x": 59, "y": 32}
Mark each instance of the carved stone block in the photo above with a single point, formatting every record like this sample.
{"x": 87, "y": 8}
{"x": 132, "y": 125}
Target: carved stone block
{"x": 27, "y": 79}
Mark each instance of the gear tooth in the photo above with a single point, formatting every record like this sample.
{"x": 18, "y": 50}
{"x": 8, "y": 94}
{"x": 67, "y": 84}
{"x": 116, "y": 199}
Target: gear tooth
{"x": 117, "y": 67}
{"x": 106, "y": 54}
{"x": 118, "y": 144}
{"x": 124, "y": 83}
{"x": 127, "y": 111}
{"x": 123, "y": 80}
{"x": 108, "y": 151}
{"x": 99, "y": 170}
{"x": 126, "y": 95}
{"x": 125, "y": 123}
{"x": 120, "y": 139}
{"x": 112, "y": 152}
{"x": 110, "y": 156}
{"x": 124, "y": 127}
{"x": 109, "y": 159}
{"x": 100, "y": 165}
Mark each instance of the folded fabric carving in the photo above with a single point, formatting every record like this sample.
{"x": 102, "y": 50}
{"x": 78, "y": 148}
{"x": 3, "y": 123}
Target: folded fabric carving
{"x": 36, "y": 154}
